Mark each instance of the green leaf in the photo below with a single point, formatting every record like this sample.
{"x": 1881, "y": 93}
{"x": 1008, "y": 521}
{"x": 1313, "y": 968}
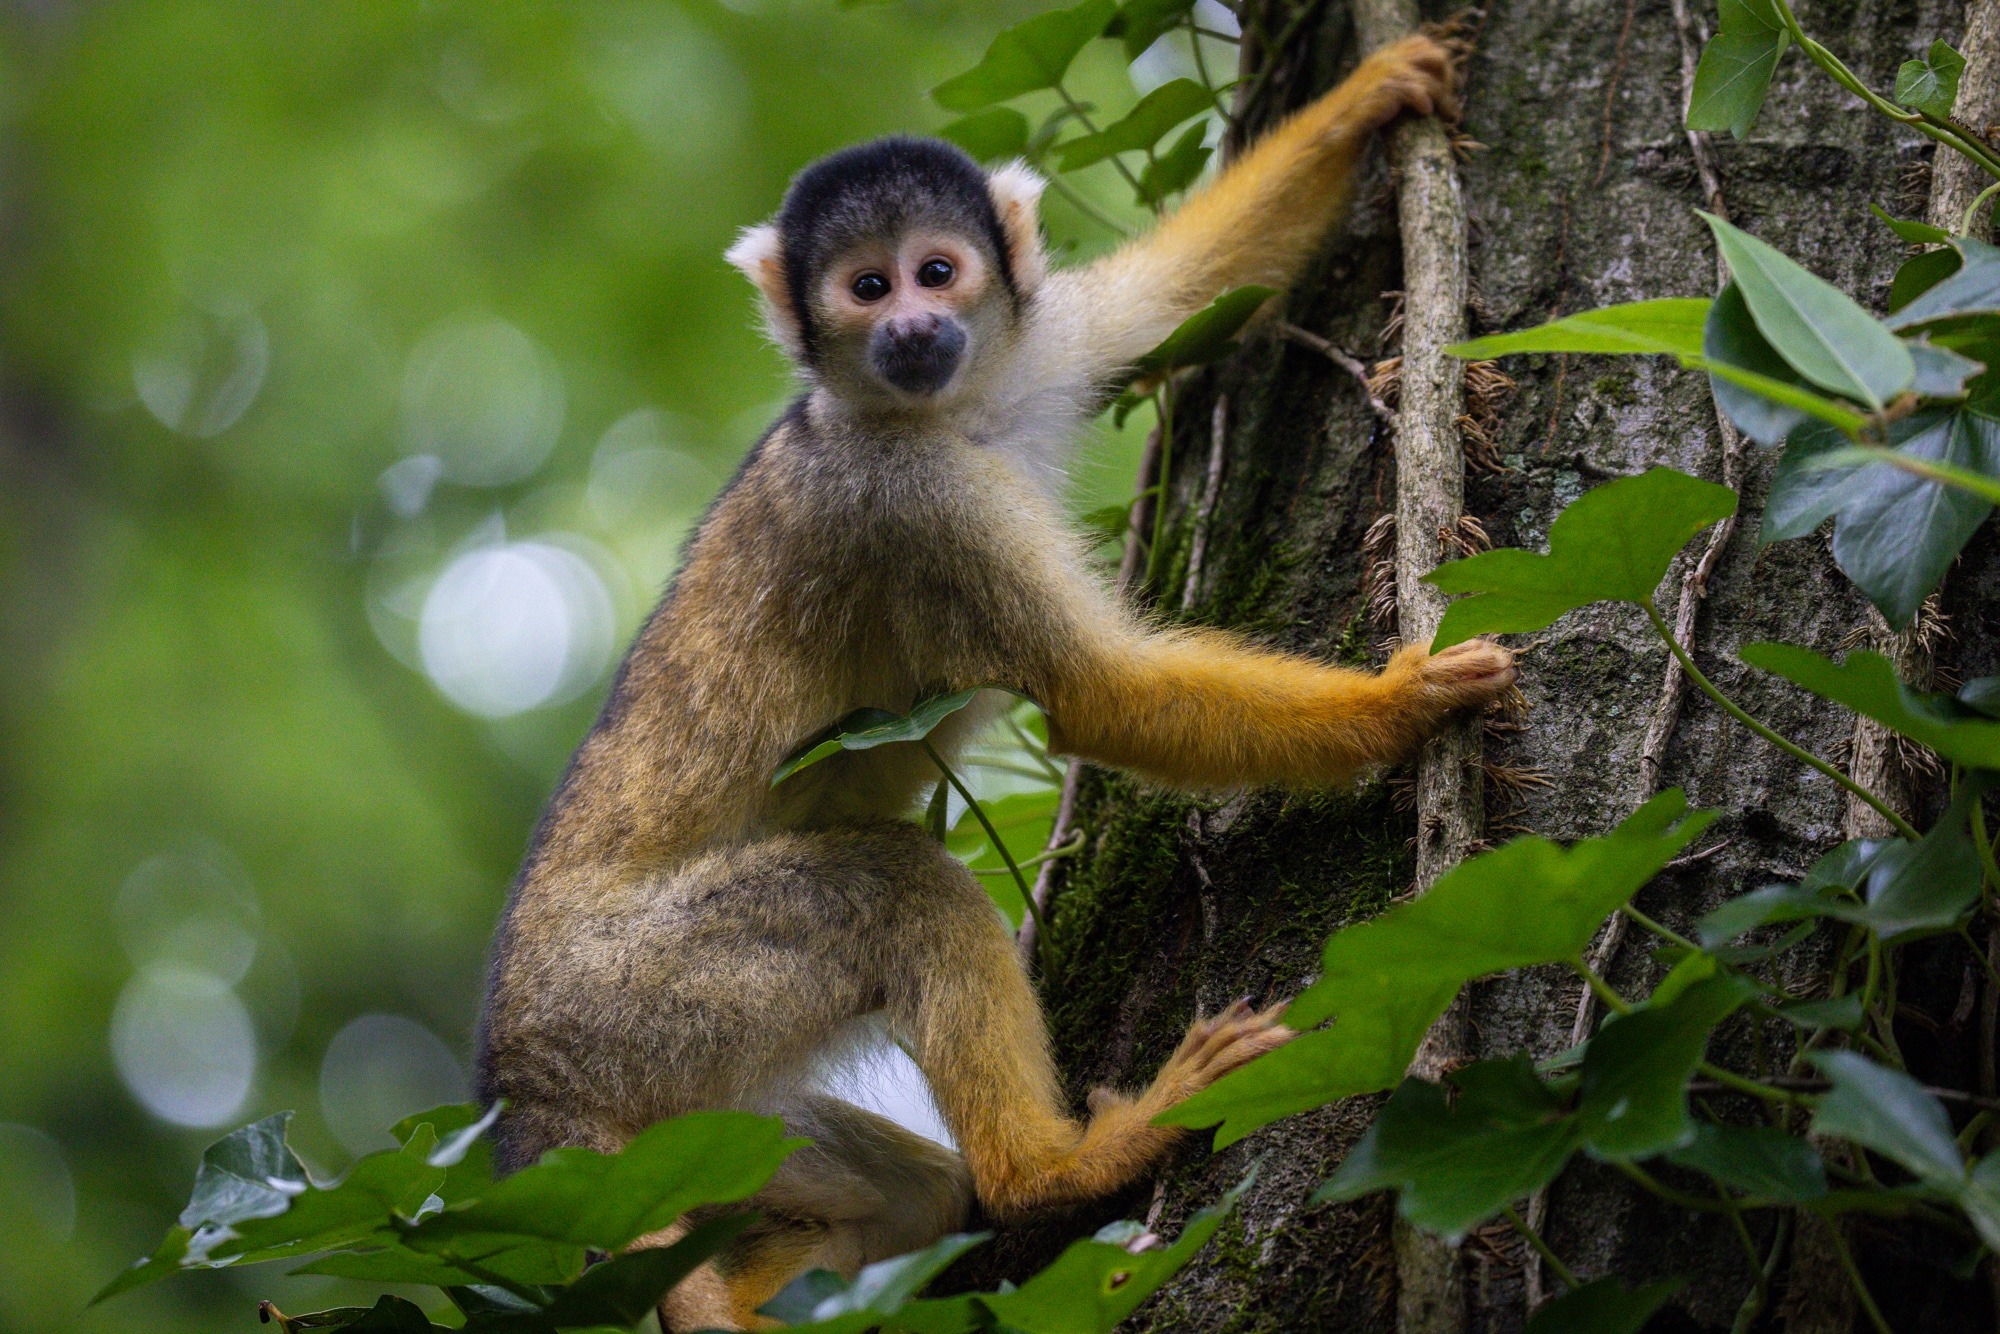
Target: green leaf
{"x": 1831, "y": 411}
{"x": 1175, "y": 170}
{"x": 1972, "y": 289}
{"x": 389, "y": 1315}
{"x": 1456, "y": 1164}
{"x": 864, "y": 729}
{"x": 356, "y": 1210}
{"x": 173, "y": 1250}
{"x": 622, "y": 1290}
{"x": 1841, "y": 1012}
{"x": 248, "y": 1173}
{"x": 1604, "y": 1307}
{"x": 1919, "y": 274}
{"x": 587, "y": 1198}
{"x": 1760, "y": 1161}
{"x": 1385, "y": 980}
{"x": 539, "y": 1263}
{"x": 1916, "y": 233}
{"x": 463, "y": 1149}
{"x": 1925, "y": 887}
{"x": 1024, "y": 821}
{"x": 1094, "y": 1284}
{"x": 827, "y": 1304}
{"x": 1633, "y": 1102}
{"x": 989, "y": 135}
{"x": 1671, "y": 324}
{"x": 1157, "y": 112}
{"x": 1866, "y": 682}
{"x": 1031, "y": 55}
{"x": 1761, "y": 907}
{"x": 1941, "y": 372}
{"x": 1981, "y": 1200}
{"x": 1930, "y": 85}
{"x": 1749, "y": 16}
{"x": 1140, "y": 23}
{"x": 1731, "y": 337}
{"x": 1895, "y": 532}
{"x": 1887, "y": 1111}
{"x": 1612, "y": 544}
{"x": 1209, "y": 334}
{"x": 1732, "y": 79}
{"x": 1814, "y": 325}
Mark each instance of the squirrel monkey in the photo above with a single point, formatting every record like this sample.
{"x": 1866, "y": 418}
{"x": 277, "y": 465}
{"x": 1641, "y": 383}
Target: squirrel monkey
{"x": 686, "y": 935}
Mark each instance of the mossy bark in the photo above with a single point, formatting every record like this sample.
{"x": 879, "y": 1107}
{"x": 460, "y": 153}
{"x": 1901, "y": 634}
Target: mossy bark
{"x": 1583, "y": 194}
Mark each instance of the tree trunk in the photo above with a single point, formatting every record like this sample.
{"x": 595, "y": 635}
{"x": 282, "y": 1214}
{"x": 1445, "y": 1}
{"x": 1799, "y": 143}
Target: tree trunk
{"x": 1582, "y": 195}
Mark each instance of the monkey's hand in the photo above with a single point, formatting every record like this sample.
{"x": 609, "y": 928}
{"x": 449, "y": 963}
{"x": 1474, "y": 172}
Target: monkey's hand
{"x": 1412, "y": 75}
{"x": 1212, "y": 1048}
{"x": 1465, "y": 676}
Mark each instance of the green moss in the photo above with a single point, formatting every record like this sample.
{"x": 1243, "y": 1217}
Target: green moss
{"x": 1616, "y": 389}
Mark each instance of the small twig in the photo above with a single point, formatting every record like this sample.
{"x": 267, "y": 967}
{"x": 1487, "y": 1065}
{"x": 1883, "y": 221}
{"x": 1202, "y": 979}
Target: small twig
{"x": 1352, "y": 365}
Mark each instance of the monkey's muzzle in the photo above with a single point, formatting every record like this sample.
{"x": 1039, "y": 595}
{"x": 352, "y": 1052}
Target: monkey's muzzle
{"x": 918, "y": 356}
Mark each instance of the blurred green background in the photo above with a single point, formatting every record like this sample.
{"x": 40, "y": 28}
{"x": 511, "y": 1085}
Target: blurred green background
{"x": 363, "y": 365}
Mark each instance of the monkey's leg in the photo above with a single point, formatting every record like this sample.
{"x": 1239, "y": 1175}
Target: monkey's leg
{"x": 865, "y": 1190}
{"x": 959, "y": 996}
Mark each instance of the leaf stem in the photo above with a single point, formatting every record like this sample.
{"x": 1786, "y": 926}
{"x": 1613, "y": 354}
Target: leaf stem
{"x": 1759, "y": 1296}
{"x": 1854, "y": 1275}
{"x": 1730, "y": 1079}
{"x": 1201, "y": 68}
{"x": 1083, "y": 119}
{"x": 1693, "y": 1203}
{"x": 1085, "y": 207}
{"x": 979, "y": 813}
{"x": 1659, "y": 929}
{"x": 1541, "y": 1248}
{"x": 1068, "y": 848}
{"x": 1985, "y": 846}
{"x": 1798, "y": 753}
{"x": 1972, "y": 209}
{"x": 1602, "y": 988}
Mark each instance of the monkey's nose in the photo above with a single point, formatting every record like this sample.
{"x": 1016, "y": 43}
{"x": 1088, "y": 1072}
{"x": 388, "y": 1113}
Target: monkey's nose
{"x": 919, "y": 355}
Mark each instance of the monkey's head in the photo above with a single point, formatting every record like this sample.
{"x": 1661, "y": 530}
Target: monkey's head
{"x": 897, "y": 271}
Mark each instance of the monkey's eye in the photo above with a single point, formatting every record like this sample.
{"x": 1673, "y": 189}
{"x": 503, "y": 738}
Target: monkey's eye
{"x": 870, "y": 287}
{"x": 935, "y": 272}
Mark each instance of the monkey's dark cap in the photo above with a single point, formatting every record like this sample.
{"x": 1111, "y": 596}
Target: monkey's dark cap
{"x": 879, "y": 189}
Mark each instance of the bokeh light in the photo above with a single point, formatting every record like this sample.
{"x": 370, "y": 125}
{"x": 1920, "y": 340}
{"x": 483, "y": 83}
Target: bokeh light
{"x": 378, "y": 1070}
{"x": 483, "y": 399}
{"x": 199, "y": 373}
{"x": 512, "y": 627}
{"x": 35, "y": 1178}
{"x": 184, "y": 1044}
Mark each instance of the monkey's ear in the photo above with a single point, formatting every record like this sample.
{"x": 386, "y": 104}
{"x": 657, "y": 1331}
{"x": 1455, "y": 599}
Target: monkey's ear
{"x": 759, "y": 255}
{"x": 1017, "y": 193}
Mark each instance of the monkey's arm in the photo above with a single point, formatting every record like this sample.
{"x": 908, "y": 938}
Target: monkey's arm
{"x": 1203, "y": 709}
{"x": 1258, "y": 222}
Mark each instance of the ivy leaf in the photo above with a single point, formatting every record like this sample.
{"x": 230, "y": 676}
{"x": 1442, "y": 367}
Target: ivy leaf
{"x": 1814, "y": 326}
{"x": 864, "y": 729}
{"x": 1731, "y": 337}
{"x": 1925, "y": 887}
{"x": 1930, "y": 85}
{"x": 825, "y": 1303}
{"x": 540, "y": 1264}
{"x": 1613, "y": 544}
{"x": 1841, "y": 1012}
{"x": 1457, "y": 1163}
{"x": 1209, "y": 334}
{"x": 1973, "y": 288}
{"x": 1157, "y": 112}
{"x": 1916, "y": 233}
{"x": 1760, "y": 1161}
{"x": 1919, "y": 274}
{"x": 1140, "y": 23}
{"x": 248, "y": 1173}
{"x": 1732, "y": 79}
{"x": 1024, "y": 821}
{"x": 1670, "y": 324}
{"x": 587, "y": 1198}
{"x": 1887, "y": 1111}
{"x": 1385, "y": 980}
{"x": 1866, "y": 682}
{"x": 389, "y": 1315}
{"x": 1895, "y": 533}
{"x": 1633, "y": 1102}
{"x": 622, "y": 1290}
{"x": 355, "y": 1210}
{"x": 1941, "y": 372}
{"x": 1175, "y": 170}
{"x": 1604, "y": 1307}
{"x": 1761, "y": 907}
{"x": 1029, "y": 56}
{"x": 990, "y": 135}
{"x": 1094, "y": 1284}
{"x": 167, "y": 1259}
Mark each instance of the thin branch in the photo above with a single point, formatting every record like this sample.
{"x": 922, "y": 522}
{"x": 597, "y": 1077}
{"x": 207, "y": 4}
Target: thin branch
{"x": 1210, "y": 490}
{"x": 1306, "y": 338}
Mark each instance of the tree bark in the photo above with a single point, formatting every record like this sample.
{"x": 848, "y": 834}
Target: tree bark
{"x": 1583, "y": 195}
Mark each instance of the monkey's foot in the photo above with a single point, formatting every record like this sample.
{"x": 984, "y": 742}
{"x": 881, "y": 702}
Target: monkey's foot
{"x": 1412, "y": 75}
{"x": 1214, "y": 1047}
{"x": 1470, "y": 675}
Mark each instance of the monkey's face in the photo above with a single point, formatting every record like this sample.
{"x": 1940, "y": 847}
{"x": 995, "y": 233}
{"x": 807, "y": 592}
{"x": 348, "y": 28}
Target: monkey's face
{"x": 908, "y": 314}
